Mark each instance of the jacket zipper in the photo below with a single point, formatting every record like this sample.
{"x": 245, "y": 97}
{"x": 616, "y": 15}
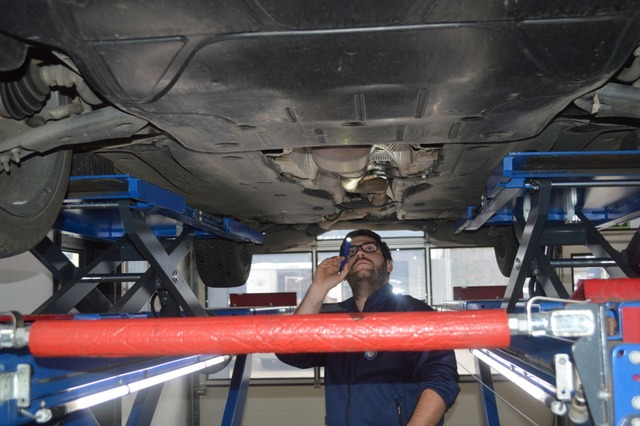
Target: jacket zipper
{"x": 400, "y": 422}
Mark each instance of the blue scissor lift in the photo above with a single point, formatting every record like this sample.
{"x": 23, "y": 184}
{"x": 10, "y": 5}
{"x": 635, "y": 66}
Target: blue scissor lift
{"x": 551, "y": 200}
{"x": 138, "y": 221}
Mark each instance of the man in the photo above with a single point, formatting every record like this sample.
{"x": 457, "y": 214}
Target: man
{"x": 387, "y": 388}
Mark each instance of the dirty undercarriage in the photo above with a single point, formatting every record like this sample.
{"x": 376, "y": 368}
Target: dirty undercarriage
{"x": 300, "y": 117}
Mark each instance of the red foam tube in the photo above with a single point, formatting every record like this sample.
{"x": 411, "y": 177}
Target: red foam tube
{"x": 398, "y": 331}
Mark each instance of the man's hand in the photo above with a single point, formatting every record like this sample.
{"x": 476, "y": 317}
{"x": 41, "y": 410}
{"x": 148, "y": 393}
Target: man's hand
{"x": 327, "y": 276}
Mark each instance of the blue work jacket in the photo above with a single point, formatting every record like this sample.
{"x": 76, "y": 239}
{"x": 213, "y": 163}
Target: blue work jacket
{"x": 381, "y": 388}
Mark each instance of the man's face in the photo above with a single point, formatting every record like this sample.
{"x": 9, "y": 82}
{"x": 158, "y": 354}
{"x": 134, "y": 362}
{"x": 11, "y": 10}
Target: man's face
{"x": 368, "y": 269}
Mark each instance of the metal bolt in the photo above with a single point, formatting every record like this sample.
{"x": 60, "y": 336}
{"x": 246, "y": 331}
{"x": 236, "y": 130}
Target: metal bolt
{"x": 4, "y": 161}
{"x": 43, "y": 415}
{"x": 174, "y": 276}
{"x": 558, "y": 408}
{"x": 635, "y": 402}
{"x": 15, "y": 155}
{"x": 634, "y": 357}
{"x": 518, "y": 264}
{"x": 604, "y": 394}
{"x": 26, "y": 413}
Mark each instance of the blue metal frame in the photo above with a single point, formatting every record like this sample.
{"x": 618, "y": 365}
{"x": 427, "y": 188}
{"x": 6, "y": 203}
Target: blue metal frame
{"x": 534, "y": 189}
{"x": 238, "y": 389}
{"x": 137, "y": 218}
{"x": 599, "y": 359}
{"x": 473, "y": 305}
{"x": 57, "y": 383}
{"x": 93, "y": 212}
{"x": 625, "y": 383}
{"x": 490, "y": 414}
{"x": 589, "y": 190}
{"x": 519, "y": 172}
{"x": 144, "y": 406}
{"x": 142, "y": 222}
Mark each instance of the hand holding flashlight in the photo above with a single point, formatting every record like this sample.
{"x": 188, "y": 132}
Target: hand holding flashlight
{"x": 345, "y": 253}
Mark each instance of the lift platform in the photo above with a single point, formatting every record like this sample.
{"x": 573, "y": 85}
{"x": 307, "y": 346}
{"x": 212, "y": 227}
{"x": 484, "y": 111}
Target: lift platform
{"x": 544, "y": 343}
{"x": 139, "y": 221}
{"x": 589, "y": 379}
{"x": 552, "y": 200}
{"x": 558, "y": 199}
{"x": 37, "y": 389}
{"x": 135, "y": 220}
{"x": 540, "y": 349}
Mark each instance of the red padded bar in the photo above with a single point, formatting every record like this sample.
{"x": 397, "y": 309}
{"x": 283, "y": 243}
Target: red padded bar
{"x": 398, "y": 331}
{"x": 601, "y": 290}
{"x": 630, "y": 318}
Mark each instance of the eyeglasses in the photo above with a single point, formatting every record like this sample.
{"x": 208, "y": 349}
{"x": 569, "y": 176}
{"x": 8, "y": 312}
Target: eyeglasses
{"x": 368, "y": 247}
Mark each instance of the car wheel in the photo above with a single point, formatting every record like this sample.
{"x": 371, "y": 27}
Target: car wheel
{"x": 32, "y": 194}
{"x": 506, "y": 249}
{"x": 222, "y": 263}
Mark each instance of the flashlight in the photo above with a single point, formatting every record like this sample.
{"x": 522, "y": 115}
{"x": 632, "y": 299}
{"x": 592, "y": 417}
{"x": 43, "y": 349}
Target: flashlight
{"x": 345, "y": 252}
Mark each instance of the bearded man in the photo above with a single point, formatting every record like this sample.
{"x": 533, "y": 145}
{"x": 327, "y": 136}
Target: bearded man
{"x": 370, "y": 388}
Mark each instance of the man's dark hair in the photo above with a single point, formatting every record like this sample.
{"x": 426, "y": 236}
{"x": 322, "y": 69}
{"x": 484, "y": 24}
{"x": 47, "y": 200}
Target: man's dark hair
{"x": 384, "y": 248}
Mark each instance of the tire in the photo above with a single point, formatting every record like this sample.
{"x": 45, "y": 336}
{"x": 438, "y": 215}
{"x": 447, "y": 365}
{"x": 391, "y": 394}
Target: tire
{"x": 506, "y": 249}
{"x": 222, "y": 263}
{"x": 32, "y": 195}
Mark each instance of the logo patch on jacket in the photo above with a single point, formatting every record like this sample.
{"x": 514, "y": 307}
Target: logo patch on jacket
{"x": 369, "y": 355}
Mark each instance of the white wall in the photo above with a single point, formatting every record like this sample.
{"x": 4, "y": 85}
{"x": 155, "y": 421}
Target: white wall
{"x": 24, "y": 283}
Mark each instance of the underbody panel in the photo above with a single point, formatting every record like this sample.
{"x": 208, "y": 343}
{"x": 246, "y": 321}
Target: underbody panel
{"x": 317, "y": 115}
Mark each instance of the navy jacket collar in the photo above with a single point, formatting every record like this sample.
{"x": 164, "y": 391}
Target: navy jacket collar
{"x": 381, "y": 296}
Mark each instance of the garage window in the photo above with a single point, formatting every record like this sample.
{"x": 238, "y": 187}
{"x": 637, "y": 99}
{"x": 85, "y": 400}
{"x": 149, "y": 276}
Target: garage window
{"x": 457, "y": 273}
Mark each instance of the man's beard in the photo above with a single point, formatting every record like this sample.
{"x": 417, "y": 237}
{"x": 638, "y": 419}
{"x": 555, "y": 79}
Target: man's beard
{"x": 367, "y": 281}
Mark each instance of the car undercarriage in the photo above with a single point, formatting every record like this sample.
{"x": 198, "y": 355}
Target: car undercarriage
{"x": 300, "y": 117}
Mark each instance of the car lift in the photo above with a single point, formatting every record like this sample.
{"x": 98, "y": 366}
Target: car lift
{"x": 143, "y": 222}
{"x": 140, "y": 221}
{"x": 556, "y": 199}
{"x": 541, "y": 345}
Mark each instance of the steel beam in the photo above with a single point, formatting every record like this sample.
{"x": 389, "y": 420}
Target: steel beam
{"x": 490, "y": 415}
{"x": 528, "y": 246}
{"x": 238, "y": 389}
{"x": 71, "y": 294}
{"x": 150, "y": 247}
{"x": 140, "y": 293}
